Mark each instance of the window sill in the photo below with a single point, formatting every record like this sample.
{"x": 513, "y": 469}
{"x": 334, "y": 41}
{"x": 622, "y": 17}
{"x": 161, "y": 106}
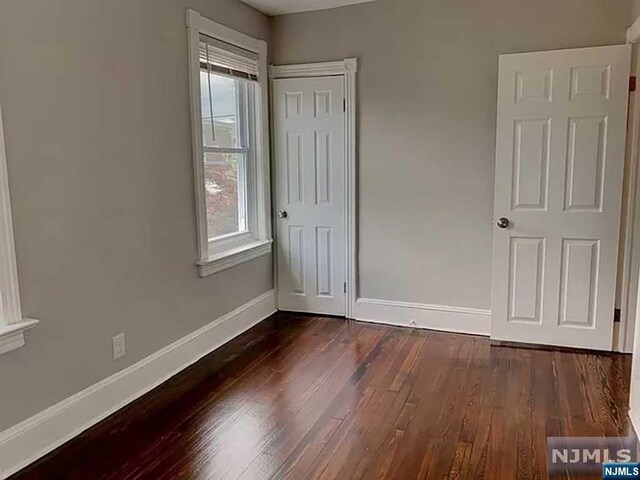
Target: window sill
{"x": 233, "y": 257}
{"x": 12, "y": 336}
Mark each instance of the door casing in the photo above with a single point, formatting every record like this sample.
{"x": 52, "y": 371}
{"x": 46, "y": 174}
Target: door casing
{"x": 347, "y": 69}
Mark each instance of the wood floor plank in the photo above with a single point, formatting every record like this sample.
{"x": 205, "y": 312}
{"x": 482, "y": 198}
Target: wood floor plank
{"x": 304, "y": 397}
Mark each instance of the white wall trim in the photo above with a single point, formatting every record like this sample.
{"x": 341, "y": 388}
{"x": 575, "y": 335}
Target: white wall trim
{"x": 624, "y": 333}
{"x": 213, "y": 29}
{"x": 320, "y": 69}
{"x": 419, "y": 315}
{"x": 351, "y": 183}
{"x": 347, "y": 68}
{"x": 259, "y": 184}
{"x": 10, "y": 309}
{"x": 234, "y": 257}
{"x": 12, "y": 335}
{"x": 29, "y": 440}
{"x": 12, "y": 325}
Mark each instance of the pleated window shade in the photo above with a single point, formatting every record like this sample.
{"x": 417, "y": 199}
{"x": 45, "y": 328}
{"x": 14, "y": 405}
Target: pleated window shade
{"x": 223, "y": 58}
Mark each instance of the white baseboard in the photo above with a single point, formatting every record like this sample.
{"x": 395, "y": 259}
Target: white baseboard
{"x": 419, "y": 315}
{"x": 33, "y": 438}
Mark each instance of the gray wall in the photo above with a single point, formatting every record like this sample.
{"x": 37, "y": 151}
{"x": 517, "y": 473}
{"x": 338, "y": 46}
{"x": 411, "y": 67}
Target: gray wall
{"x": 95, "y": 103}
{"x": 427, "y": 93}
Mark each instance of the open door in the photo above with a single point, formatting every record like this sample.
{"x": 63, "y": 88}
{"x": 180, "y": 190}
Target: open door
{"x": 559, "y": 162}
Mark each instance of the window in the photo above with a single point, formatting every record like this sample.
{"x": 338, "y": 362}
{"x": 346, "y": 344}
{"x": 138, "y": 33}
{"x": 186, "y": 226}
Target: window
{"x": 12, "y": 325}
{"x": 229, "y": 116}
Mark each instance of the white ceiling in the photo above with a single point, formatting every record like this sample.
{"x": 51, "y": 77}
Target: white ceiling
{"x": 281, "y": 7}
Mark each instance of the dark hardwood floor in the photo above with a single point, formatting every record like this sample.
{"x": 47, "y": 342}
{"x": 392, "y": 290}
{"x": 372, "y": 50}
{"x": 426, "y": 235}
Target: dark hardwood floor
{"x": 308, "y": 397}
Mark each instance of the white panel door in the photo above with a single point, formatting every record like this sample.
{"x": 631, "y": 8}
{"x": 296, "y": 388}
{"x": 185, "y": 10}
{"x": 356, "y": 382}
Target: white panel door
{"x": 559, "y": 163}
{"x": 309, "y": 156}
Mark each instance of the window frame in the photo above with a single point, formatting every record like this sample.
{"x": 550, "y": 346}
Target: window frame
{"x": 12, "y": 324}
{"x": 223, "y": 252}
{"x": 245, "y": 114}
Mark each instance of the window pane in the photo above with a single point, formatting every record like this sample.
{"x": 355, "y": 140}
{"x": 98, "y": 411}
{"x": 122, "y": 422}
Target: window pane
{"x": 220, "y": 97}
{"x": 225, "y": 186}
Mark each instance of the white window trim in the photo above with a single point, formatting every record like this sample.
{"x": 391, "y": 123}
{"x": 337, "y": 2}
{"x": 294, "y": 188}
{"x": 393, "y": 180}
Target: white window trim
{"x": 235, "y": 249}
{"x": 12, "y": 325}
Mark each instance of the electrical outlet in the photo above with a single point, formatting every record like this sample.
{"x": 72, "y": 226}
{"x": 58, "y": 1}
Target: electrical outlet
{"x": 119, "y": 346}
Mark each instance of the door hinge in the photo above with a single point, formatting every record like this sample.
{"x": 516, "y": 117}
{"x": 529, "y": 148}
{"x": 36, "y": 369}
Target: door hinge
{"x": 632, "y": 84}
{"x": 344, "y": 104}
{"x": 344, "y": 287}
{"x": 616, "y": 315}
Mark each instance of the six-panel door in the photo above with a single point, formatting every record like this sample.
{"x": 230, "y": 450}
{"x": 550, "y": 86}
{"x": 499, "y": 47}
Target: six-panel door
{"x": 309, "y": 155}
{"x": 559, "y": 162}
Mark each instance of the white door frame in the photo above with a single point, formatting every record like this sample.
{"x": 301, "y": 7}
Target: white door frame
{"x": 347, "y": 69}
{"x": 623, "y": 331}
